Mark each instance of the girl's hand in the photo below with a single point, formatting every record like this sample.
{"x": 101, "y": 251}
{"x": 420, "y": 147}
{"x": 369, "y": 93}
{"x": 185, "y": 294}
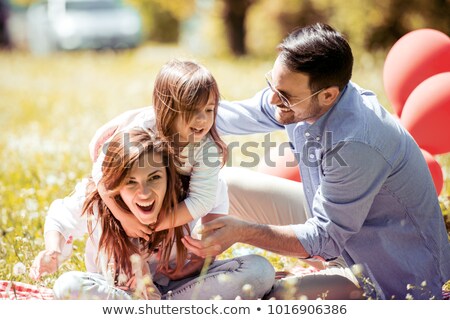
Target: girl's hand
{"x": 46, "y": 262}
{"x": 134, "y": 228}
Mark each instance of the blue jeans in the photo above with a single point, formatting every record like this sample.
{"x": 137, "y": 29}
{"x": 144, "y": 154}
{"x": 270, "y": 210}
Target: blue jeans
{"x": 249, "y": 277}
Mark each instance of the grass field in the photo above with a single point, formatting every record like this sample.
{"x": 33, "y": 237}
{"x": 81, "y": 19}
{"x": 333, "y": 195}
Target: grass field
{"x": 51, "y": 106}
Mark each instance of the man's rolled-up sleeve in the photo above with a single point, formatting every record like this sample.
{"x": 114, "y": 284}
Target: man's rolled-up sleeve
{"x": 343, "y": 199}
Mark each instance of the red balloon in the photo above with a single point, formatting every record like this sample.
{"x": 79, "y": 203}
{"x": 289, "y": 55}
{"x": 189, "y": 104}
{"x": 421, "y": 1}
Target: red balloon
{"x": 280, "y": 163}
{"x": 435, "y": 170}
{"x": 415, "y": 57}
{"x": 426, "y": 114}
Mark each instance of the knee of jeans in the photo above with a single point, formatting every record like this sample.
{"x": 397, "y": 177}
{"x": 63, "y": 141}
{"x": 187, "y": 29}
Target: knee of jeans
{"x": 261, "y": 274}
{"x": 69, "y": 286}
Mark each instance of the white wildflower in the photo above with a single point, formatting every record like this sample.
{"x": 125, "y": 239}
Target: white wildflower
{"x": 19, "y": 268}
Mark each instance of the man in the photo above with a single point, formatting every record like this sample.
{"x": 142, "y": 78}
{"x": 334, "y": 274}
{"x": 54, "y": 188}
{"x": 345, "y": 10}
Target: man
{"x": 369, "y": 194}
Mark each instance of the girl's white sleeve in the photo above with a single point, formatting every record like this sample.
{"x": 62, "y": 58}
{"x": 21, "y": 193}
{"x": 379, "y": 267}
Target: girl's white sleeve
{"x": 64, "y": 215}
{"x": 203, "y": 183}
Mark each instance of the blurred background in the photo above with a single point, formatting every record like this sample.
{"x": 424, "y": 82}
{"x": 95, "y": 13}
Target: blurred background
{"x": 68, "y": 66}
{"x": 219, "y": 27}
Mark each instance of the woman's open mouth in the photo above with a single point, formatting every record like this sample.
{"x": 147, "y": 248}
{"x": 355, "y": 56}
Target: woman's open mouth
{"x": 146, "y": 207}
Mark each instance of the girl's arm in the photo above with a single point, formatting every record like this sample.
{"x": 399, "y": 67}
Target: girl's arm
{"x": 108, "y": 129}
{"x": 182, "y": 216}
{"x": 204, "y": 163}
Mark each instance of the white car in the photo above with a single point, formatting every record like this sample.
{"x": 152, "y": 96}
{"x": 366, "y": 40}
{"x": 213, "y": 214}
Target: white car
{"x": 82, "y": 24}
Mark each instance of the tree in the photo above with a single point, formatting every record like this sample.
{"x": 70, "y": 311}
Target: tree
{"x": 234, "y": 14}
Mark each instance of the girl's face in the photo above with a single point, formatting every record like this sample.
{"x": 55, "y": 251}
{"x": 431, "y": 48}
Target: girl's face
{"x": 198, "y": 126}
{"x": 145, "y": 187}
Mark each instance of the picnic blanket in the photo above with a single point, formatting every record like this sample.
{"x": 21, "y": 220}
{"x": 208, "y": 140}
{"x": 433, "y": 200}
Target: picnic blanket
{"x": 11, "y": 290}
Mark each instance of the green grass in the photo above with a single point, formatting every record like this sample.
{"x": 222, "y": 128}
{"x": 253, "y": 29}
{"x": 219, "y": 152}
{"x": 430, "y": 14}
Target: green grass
{"x": 51, "y": 106}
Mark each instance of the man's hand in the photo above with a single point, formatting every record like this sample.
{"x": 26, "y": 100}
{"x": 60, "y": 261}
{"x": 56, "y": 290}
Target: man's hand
{"x": 46, "y": 262}
{"x": 217, "y": 236}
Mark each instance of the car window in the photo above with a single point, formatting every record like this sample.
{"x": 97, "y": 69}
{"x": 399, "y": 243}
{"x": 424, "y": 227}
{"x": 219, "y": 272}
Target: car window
{"x": 90, "y": 5}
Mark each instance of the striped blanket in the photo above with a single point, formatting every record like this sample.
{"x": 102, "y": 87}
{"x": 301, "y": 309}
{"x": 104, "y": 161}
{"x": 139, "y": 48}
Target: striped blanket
{"x": 10, "y": 290}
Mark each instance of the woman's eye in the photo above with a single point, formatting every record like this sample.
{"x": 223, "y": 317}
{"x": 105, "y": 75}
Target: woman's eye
{"x": 155, "y": 177}
{"x": 209, "y": 110}
{"x": 131, "y": 182}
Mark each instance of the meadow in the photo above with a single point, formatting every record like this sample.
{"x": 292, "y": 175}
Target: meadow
{"x": 51, "y": 106}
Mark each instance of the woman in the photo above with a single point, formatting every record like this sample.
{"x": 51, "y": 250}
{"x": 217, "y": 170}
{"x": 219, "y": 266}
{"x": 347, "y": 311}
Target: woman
{"x": 141, "y": 177}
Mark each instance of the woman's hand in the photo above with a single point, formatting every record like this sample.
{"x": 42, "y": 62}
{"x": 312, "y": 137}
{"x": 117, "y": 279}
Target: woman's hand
{"x": 193, "y": 267}
{"x": 46, "y": 262}
{"x": 141, "y": 285}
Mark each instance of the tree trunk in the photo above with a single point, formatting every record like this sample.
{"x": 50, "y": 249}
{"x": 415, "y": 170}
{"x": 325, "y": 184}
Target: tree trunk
{"x": 234, "y": 15}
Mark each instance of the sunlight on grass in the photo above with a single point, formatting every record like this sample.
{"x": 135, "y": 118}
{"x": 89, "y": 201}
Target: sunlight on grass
{"x": 51, "y": 107}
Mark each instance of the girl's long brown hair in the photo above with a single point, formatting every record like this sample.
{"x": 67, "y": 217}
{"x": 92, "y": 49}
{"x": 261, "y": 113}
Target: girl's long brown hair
{"x": 123, "y": 151}
{"x": 181, "y": 87}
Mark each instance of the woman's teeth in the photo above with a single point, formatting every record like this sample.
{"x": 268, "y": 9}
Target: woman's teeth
{"x": 145, "y": 207}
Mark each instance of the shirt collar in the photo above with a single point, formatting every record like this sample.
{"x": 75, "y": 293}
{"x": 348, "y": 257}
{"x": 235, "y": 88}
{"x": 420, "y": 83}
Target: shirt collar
{"x": 315, "y": 130}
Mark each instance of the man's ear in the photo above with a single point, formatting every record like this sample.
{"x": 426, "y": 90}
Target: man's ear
{"x": 328, "y": 96}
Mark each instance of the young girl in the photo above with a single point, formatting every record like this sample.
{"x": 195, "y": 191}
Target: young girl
{"x": 142, "y": 179}
{"x": 185, "y": 97}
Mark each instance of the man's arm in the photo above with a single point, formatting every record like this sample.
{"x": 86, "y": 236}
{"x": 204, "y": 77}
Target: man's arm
{"x": 220, "y": 234}
{"x": 255, "y": 115}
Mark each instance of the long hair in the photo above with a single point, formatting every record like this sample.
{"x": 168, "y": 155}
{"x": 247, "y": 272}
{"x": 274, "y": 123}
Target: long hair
{"x": 321, "y": 52}
{"x": 181, "y": 87}
{"x": 124, "y": 151}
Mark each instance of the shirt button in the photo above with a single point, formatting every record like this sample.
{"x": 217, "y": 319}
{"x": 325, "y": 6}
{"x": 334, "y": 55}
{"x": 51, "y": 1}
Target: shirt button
{"x": 311, "y": 156}
{"x": 307, "y": 134}
{"x": 317, "y": 138}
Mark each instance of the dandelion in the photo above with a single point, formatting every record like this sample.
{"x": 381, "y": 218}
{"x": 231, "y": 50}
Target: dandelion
{"x": 409, "y": 287}
{"x": 423, "y": 284}
{"x": 357, "y": 270}
{"x": 19, "y": 268}
{"x": 122, "y": 279}
{"x": 248, "y": 291}
{"x": 31, "y": 205}
{"x": 223, "y": 278}
{"x": 409, "y": 297}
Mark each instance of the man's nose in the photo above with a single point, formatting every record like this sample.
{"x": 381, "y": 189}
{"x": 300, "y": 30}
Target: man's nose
{"x": 275, "y": 99}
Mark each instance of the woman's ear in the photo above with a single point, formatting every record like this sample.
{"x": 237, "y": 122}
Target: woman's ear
{"x": 329, "y": 95}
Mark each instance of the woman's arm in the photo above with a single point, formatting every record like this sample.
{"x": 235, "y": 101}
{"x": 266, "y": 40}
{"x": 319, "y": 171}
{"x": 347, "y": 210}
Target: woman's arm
{"x": 62, "y": 223}
{"x": 48, "y": 261}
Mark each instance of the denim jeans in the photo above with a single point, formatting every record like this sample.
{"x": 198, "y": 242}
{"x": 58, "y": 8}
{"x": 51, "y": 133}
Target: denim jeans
{"x": 248, "y": 277}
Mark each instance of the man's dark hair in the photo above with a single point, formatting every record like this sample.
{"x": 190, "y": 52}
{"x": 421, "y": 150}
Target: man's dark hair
{"x": 320, "y": 52}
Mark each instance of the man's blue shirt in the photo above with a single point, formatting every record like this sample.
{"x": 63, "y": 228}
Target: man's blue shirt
{"x": 368, "y": 190}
